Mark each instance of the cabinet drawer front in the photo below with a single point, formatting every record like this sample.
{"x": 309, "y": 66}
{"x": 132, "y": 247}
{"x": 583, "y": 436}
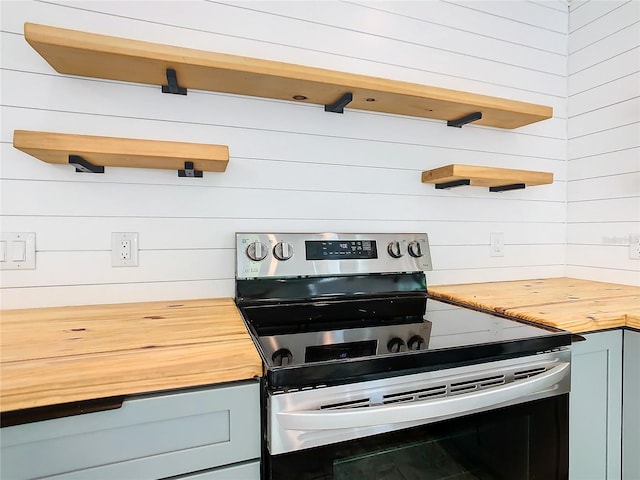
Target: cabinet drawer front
{"x": 148, "y": 437}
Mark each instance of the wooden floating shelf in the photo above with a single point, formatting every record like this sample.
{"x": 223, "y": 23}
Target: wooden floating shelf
{"x": 122, "y": 152}
{"x": 100, "y": 56}
{"x": 497, "y": 179}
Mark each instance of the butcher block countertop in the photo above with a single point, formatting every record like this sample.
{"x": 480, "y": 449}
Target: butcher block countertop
{"x": 66, "y": 354}
{"x": 51, "y": 356}
{"x": 578, "y": 306}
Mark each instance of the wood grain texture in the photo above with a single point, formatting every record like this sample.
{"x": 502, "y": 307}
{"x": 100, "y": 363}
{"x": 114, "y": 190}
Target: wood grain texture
{"x": 633, "y": 320}
{"x": 66, "y": 354}
{"x": 486, "y": 176}
{"x": 575, "y": 305}
{"x": 121, "y": 152}
{"x": 100, "y": 56}
{"x": 582, "y": 316}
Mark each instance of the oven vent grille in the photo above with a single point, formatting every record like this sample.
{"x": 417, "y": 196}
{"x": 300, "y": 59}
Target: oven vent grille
{"x": 532, "y": 372}
{"x": 476, "y": 384}
{"x": 431, "y": 392}
{"x": 439, "y": 390}
{"x": 362, "y": 402}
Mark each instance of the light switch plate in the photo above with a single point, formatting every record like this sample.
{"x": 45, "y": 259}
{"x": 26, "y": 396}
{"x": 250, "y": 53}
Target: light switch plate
{"x": 18, "y": 251}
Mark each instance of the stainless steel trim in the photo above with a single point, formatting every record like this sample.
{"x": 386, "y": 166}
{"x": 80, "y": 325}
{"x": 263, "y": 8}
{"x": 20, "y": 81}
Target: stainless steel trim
{"x": 479, "y": 398}
{"x": 298, "y": 420}
{"x": 298, "y": 265}
{"x": 297, "y": 343}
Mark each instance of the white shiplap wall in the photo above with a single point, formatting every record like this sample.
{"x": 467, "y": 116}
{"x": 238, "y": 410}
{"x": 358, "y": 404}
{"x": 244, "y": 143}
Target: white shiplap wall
{"x": 293, "y": 167}
{"x": 604, "y": 140}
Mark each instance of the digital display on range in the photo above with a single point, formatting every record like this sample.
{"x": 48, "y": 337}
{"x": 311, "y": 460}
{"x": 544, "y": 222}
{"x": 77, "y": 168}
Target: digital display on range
{"x": 340, "y": 249}
{"x": 321, "y": 353}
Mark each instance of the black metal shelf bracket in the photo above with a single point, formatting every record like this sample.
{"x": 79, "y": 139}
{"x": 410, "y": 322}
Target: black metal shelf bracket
{"x": 505, "y": 188}
{"x": 454, "y": 183}
{"x": 173, "y": 87}
{"x": 338, "y": 107}
{"x": 83, "y": 166}
{"x": 472, "y": 117}
{"x": 189, "y": 171}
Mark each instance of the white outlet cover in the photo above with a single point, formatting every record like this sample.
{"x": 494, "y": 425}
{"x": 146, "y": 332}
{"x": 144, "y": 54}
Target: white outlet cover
{"x": 496, "y": 244}
{"x": 634, "y": 247}
{"x": 116, "y": 241}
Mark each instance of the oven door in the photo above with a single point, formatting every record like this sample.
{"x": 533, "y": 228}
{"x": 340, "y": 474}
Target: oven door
{"x": 521, "y": 442}
{"x": 499, "y": 420}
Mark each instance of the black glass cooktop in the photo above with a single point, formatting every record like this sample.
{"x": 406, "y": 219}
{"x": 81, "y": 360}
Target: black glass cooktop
{"x": 455, "y": 326}
{"x": 302, "y": 346}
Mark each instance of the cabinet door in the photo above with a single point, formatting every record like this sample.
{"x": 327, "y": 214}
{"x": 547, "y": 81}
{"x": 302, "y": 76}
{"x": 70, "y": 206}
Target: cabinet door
{"x": 149, "y": 437}
{"x": 595, "y": 408}
{"x": 631, "y": 406}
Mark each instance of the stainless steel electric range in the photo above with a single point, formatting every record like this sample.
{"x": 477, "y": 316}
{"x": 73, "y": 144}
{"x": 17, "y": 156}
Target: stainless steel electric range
{"x": 366, "y": 376}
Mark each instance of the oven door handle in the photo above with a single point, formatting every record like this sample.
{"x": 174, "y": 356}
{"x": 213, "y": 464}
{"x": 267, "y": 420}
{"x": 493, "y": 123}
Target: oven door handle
{"x": 309, "y": 420}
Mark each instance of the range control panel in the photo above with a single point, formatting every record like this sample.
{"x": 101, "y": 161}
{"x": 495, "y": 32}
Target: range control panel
{"x": 311, "y": 347}
{"x": 340, "y": 249}
{"x": 260, "y": 255}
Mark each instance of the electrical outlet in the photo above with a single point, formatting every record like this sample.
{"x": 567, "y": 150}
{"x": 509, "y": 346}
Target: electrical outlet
{"x": 124, "y": 249}
{"x": 496, "y": 244}
{"x": 634, "y": 247}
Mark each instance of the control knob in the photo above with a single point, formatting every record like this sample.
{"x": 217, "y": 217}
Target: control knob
{"x": 282, "y": 357}
{"x": 394, "y": 249}
{"x": 283, "y": 251}
{"x": 415, "y": 250}
{"x": 395, "y": 345}
{"x": 257, "y": 251}
{"x": 416, "y": 343}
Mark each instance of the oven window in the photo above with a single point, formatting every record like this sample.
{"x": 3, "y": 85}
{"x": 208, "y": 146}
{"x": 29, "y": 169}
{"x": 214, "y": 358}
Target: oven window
{"x": 476, "y": 452}
{"x": 524, "y": 442}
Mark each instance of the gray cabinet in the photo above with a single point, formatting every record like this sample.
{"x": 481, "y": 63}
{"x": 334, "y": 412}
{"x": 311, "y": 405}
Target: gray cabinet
{"x": 245, "y": 471}
{"x": 595, "y": 417}
{"x": 149, "y": 437}
{"x": 631, "y": 407}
